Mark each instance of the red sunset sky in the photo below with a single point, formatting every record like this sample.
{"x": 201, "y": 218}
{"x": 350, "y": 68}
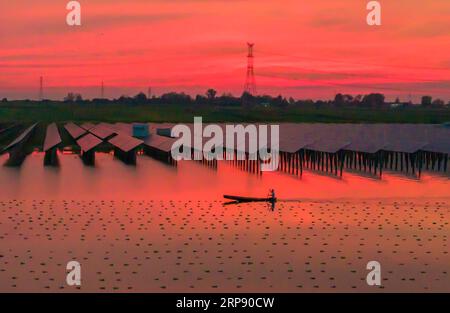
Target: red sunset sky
{"x": 304, "y": 48}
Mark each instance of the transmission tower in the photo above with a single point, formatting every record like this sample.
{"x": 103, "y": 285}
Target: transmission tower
{"x": 250, "y": 85}
{"x": 102, "y": 91}
{"x": 41, "y": 88}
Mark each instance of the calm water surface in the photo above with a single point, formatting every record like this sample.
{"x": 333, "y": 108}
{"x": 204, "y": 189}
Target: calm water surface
{"x": 151, "y": 179}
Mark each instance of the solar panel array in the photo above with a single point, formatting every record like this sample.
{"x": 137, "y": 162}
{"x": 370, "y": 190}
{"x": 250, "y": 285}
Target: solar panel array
{"x": 21, "y": 137}
{"x": 367, "y": 138}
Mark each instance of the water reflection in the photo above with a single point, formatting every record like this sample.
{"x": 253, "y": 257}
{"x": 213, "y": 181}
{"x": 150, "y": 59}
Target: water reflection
{"x": 151, "y": 179}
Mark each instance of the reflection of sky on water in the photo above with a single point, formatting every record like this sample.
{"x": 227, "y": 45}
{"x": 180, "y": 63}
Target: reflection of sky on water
{"x": 151, "y": 179}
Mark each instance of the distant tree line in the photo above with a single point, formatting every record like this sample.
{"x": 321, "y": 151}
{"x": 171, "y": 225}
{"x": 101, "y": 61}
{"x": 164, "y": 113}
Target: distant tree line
{"x": 372, "y": 100}
{"x": 427, "y": 101}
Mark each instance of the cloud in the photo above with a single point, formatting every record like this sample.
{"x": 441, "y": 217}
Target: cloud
{"x": 296, "y": 73}
{"x": 335, "y": 23}
{"x": 426, "y": 30}
{"x": 137, "y": 42}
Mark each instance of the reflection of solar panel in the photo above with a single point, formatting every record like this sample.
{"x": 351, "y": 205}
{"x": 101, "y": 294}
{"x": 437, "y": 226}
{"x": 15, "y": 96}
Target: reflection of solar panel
{"x": 74, "y": 130}
{"x": 125, "y": 143}
{"x": 19, "y": 139}
{"x": 88, "y": 142}
{"x": 52, "y": 137}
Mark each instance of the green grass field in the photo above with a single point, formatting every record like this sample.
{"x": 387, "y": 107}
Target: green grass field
{"x": 26, "y": 112}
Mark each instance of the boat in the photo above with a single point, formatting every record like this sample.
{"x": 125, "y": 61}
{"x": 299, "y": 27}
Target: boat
{"x": 250, "y": 199}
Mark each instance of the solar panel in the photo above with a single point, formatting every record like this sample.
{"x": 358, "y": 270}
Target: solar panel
{"x": 87, "y": 126}
{"x": 160, "y": 142}
{"x": 363, "y": 138}
{"x": 4, "y": 128}
{"x": 166, "y": 145}
{"x": 124, "y": 128}
{"x": 328, "y": 145}
{"x": 88, "y": 142}
{"x": 74, "y": 130}
{"x": 125, "y": 143}
{"x": 103, "y": 131}
{"x": 20, "y": 138}
{"x": 439, "y": 142}
{"x": 52, "y": 137}
{"x": 405, "y": 147}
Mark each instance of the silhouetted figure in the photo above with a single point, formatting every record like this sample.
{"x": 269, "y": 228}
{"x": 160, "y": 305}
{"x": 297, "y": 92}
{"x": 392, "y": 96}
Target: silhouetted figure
{"x": 272, "y": 194}
{"x": 273, "y": 198}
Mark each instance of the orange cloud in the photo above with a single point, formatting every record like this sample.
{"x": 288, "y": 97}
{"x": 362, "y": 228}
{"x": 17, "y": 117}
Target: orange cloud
{"x": 305, "y": 49}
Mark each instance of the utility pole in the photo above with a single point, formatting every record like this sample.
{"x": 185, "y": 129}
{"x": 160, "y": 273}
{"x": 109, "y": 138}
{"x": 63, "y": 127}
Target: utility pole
{"x": 250, "y": 85}
{"x": 41, "y": 88}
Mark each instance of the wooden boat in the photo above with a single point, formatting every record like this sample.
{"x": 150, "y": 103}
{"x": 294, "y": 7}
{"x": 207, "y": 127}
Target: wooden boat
{"x": 249, "y": 199}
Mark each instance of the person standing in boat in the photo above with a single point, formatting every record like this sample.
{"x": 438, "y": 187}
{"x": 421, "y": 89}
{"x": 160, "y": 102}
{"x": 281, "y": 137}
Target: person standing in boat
{"x": 272, "y": 199}
{"x": 272, "y": 194}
